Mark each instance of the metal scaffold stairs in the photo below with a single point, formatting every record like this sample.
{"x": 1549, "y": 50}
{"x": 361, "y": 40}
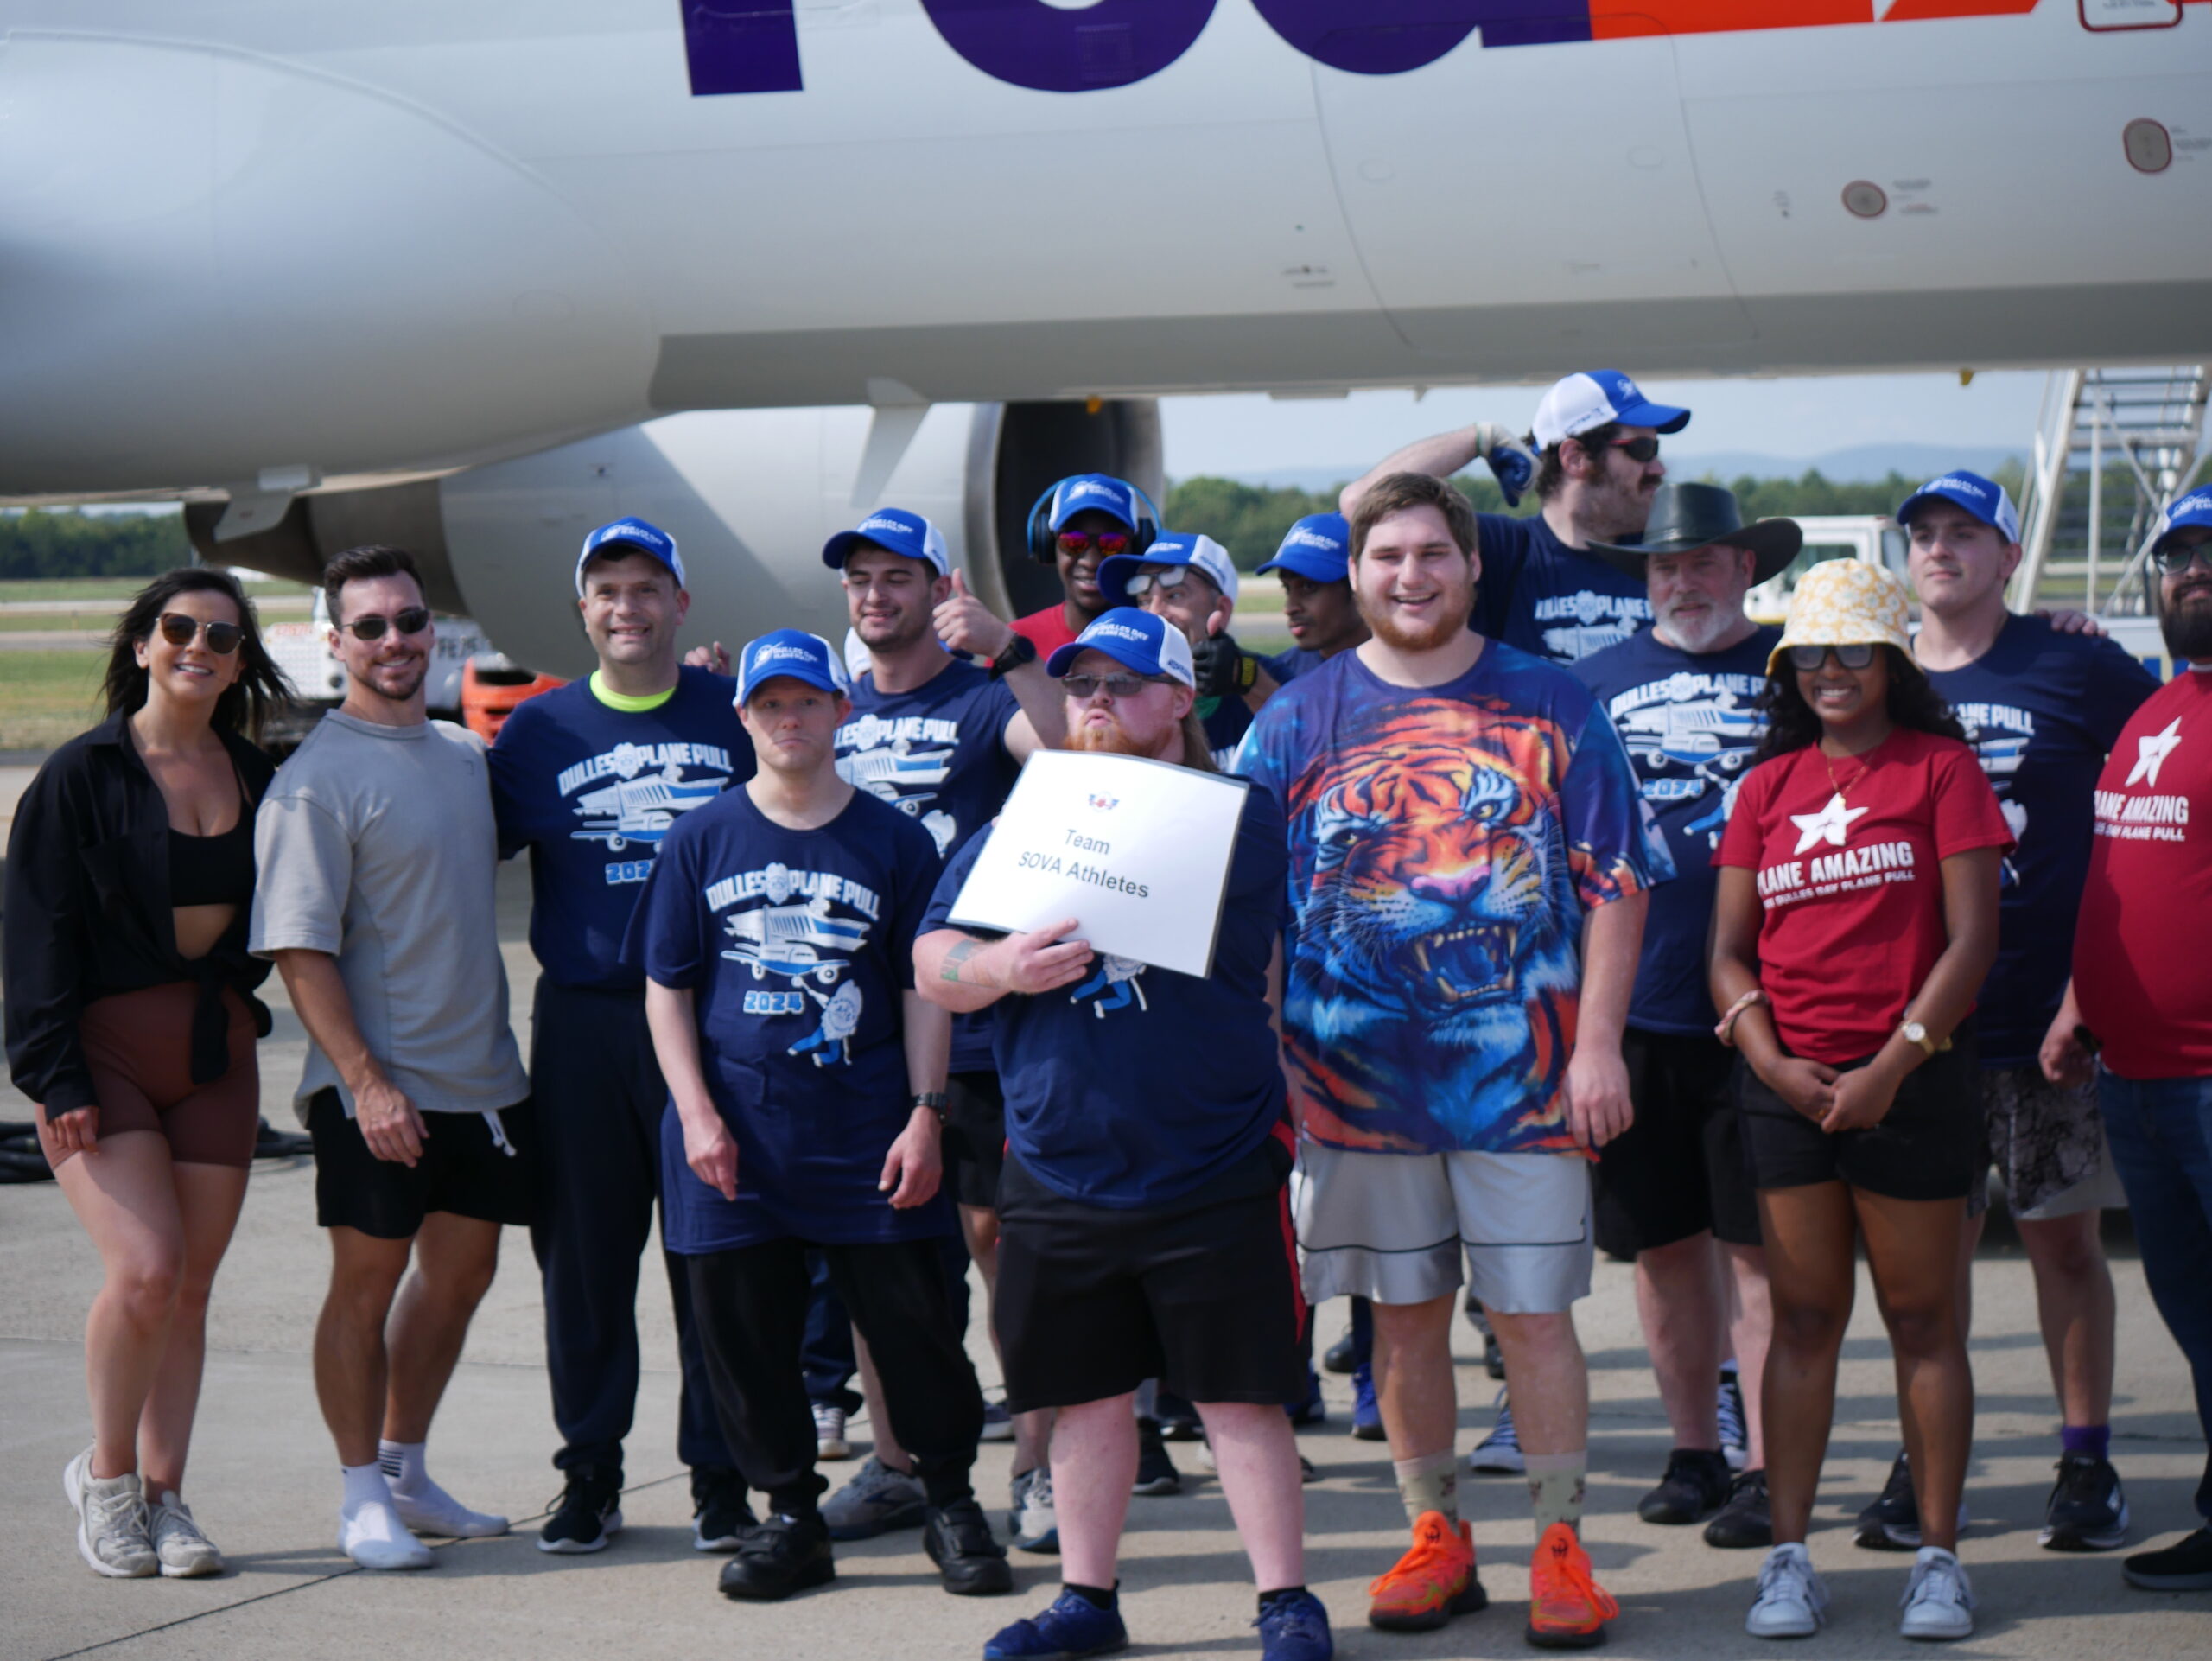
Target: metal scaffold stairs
{"x": 2113, "y": 448}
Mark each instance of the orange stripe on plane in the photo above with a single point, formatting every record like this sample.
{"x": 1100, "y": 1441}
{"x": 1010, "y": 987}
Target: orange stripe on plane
{"x": 1612, "y": 20}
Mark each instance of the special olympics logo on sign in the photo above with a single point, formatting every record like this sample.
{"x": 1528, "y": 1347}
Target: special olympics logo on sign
{"x": 1105, "y": 804}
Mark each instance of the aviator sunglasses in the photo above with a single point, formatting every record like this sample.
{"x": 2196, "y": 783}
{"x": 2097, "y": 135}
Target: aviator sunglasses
{"x": 1167, "y": 582}
{"x": 222, "y": 638}
{"x": 413, "y": 621}
{"x": 1810, "y": 658}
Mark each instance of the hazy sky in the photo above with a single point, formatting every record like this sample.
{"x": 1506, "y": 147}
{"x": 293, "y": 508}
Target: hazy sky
{"x": 1798, "y": 418}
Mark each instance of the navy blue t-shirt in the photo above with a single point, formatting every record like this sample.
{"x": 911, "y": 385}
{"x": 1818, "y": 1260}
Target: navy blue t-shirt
{"x": 938, "y": 754}
{"x": 1136, "y": 1086}
{"x": 1690, "y": 723}
{"x": 1549, "y": 598}
{"x": 1225, "y": 725}
{"x": 1288, "y": 666}
{"x": 2041, "y": 710}
{"x": 796, "y": 945}
{"x": 591, "y": 791}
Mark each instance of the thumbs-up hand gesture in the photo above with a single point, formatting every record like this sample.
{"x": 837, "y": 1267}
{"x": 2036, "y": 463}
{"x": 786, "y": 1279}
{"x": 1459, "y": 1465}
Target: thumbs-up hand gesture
{"x": 965, "y": 624}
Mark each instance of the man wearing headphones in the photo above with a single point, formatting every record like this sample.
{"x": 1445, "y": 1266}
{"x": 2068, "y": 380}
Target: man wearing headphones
{"x": 1077, "y": 525}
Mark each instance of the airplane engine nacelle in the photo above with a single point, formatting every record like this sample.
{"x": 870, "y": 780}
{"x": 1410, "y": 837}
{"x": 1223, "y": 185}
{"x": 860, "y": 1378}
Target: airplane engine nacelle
{"x": 750, "y": 496}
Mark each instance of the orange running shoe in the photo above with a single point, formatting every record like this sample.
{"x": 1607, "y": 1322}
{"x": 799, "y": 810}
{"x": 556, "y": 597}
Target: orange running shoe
{"x": 1568, "y": 1609}
{"x": 1433, "y": 1582}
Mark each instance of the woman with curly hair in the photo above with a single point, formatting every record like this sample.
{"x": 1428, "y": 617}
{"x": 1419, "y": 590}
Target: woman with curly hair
{"x": 131, "y": 1022}
{"x": 1855, "y": 920}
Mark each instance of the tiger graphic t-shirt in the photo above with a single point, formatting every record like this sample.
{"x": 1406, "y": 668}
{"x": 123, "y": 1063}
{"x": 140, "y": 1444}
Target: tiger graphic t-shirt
{"x": 1445, "y": 844}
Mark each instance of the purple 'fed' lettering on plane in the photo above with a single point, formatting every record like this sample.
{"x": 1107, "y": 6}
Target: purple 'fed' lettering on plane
{"x": 1031, "y": 44}
{"x": 1388, "y": 37}
{"x": 741, "y": 45}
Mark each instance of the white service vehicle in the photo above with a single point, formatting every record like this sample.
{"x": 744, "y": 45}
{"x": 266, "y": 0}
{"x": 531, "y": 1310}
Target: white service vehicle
{"x": 303, "y": 651}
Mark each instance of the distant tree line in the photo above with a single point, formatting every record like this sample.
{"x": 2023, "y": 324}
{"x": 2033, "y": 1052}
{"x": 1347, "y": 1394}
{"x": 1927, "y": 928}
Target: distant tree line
{"x": 43, "y": 542}
{"x": 1249, "y": 519}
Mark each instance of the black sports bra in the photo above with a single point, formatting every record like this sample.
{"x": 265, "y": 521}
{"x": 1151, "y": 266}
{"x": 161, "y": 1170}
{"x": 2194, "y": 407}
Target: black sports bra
{"x": 215, "y": 870}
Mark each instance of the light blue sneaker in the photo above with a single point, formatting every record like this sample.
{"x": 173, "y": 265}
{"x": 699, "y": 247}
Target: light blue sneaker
{"x": 1499, "y": 1453}
{"x": 1295, "y": 1629}
{"x": 1071, "y": 1627}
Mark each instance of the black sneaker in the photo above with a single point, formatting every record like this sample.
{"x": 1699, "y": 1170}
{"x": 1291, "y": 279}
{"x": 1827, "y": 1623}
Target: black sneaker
{"x": 1493, "y": 1357}
{"x": 720, "y": 1515}
{"x": 780, "y": 1556}
{"x": 587, "y": 1514}
{"x": 1893, "y": 1522}
{"x": 1695, "y": 1486}
{"x": 968, "y": 1561}
{"x": 1341, "y": 1357}
{"x": 1745, "y": 1520}
{"x": 2087, "y": 1511}
{"x": 1156, "y": 1472}
{"x": 2185, "y": 1566}
{"x": 1176, "y": 1418}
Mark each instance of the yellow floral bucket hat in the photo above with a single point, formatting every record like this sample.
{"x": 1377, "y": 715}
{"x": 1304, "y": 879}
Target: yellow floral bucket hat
{"x": 1845, "y": 602}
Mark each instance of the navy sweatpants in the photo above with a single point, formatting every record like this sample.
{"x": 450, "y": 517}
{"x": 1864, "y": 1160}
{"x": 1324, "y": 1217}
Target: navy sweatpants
{"x": 598, "y": 1098}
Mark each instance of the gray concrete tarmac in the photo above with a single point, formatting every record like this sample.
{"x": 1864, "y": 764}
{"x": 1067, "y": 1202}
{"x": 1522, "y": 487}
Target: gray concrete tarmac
{"x": 263, "y": 1482}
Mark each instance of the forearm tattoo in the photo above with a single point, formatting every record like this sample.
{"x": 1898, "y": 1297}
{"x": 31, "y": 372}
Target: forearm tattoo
{"x": 958, "y": 954}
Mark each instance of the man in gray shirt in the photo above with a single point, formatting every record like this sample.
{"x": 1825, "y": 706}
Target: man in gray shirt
{"x": 376, "y": 856}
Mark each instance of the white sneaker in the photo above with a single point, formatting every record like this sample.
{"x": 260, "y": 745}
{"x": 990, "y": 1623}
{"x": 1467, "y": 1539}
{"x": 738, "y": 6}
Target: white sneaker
{"x": 1499, "y": 1453}
{"x": 1791, "y": 1601}
{"x": 1034, "y": 1525}
{"x": 1938, "y": 1602}
{"x": 373, "y": 1537}
{"x": 111, "y": 1521}
{"x": 186, "y": 1552}
{"x": 829, "y": 1432}
{"x": 431, "y": 1510}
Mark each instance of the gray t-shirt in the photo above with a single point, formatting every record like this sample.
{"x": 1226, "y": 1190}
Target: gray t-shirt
{"x": 376, "y": 844}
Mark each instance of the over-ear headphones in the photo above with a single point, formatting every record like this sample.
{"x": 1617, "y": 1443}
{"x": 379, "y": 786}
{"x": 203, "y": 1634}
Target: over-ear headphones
{"x": 1041, "y": 537}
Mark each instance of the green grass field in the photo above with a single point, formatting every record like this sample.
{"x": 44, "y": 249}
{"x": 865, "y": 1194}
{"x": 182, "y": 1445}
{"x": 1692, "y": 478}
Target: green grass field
{"x": 48, "y": 697}
{"x": 118, "y": 588}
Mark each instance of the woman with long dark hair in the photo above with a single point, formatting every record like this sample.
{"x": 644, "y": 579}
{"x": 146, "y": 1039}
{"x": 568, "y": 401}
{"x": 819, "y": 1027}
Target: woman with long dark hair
{"x": 131, "y": 1022}
{"x": 1855, "y": 920}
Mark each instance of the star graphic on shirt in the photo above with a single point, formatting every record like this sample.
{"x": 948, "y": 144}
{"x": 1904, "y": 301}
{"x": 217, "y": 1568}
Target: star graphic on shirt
{"x": 1831, "y": 824}
{"x": 2151, "y": 754}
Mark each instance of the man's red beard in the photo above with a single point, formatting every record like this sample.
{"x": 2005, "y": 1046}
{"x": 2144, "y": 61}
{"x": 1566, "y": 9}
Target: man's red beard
{"x": 1428, "y": 636}
{"x": 1111, "y": 739}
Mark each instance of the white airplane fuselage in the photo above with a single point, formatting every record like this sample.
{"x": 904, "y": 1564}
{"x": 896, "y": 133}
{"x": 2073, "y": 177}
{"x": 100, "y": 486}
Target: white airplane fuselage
{"x": 275, "y": 244}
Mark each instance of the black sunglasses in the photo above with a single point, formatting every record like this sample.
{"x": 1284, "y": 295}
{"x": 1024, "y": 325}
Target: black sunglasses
{"x": 413, "y": 621}
{"x": 2178, "y": 558}
{"x": 1082, "y": 687}
{"x": 1638, "y": 450}
{"x": 222, "y": 638}
{"x": 1810, "y": 657}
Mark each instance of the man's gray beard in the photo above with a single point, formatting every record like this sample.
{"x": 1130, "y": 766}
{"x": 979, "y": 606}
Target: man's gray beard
{"x": 1701, "y": 639}
{"x": 2187, "y": 628}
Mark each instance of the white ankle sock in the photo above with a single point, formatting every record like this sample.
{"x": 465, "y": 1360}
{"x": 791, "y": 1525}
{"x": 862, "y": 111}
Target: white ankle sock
{"x": 363, "y": 1484}
{"x": 403, "y": 1466}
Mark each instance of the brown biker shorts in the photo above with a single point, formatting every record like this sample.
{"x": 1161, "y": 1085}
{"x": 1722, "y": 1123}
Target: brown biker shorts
{"x": 138, "y": 1046}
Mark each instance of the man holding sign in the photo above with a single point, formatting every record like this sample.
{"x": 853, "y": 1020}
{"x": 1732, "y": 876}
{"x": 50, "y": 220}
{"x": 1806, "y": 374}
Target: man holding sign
{"x": 1142, "y": 1214}
{"x": 1468, "y": 872}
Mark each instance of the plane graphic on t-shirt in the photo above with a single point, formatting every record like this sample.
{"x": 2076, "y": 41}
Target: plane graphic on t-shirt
{"x": 2151, "y": 753}
{"x": 792, "y": 940}
{"x": 642, "y": 810}
{"x": 1832, "y": 824}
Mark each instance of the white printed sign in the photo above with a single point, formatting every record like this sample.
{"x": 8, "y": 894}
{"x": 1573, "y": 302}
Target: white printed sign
{"x": 2101, "y": 15}
{"x": 1137, "y": 851}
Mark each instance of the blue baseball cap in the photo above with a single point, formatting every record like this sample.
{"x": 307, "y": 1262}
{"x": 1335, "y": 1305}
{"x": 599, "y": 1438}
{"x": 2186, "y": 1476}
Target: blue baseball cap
{"x": 1983, "y": 498}
{"x": 896, "y": 529}
{"x": 1136, "y": 639}
{"x": 1596, "y": 397}
{"x": 632, "y": 535}
{"x": 1169, "y": 548}
{"x": 1087, "y": 490}
{"x": 2196, "y": 508}
{"x": 791, "y": 652}
{"x": 1317, "y": 548}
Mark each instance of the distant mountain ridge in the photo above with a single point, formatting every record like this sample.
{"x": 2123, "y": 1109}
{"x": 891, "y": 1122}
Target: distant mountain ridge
{"x": 1855, "y": 464}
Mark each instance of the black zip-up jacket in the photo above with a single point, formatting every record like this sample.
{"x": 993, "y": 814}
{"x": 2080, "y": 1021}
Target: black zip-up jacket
{"x": 88, "y": 912}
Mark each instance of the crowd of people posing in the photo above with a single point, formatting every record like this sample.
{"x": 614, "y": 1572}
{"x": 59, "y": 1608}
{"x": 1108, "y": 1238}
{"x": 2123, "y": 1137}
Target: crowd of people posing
{"x": 1569, "y": 907}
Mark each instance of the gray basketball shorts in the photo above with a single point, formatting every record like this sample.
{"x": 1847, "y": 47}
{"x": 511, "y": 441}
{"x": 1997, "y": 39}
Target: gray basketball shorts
{"x": 1394, "y": 1227}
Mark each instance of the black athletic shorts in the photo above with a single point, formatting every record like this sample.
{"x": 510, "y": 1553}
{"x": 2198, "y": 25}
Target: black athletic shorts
{"x": 1930, "y": 1145}
{"x": 975, "y": 1137}
{"x": 1202, "y": 1295}
{"x": 1681, "y": 1166}
{"x": 463, "y": 1170}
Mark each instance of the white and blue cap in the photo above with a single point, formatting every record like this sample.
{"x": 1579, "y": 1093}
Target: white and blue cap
{"x": 1317, "y": 548}
{"x": 791, "y": 652}
{"x": 1203, "y": 554}
{"x": 1087, "y": 490}
{"x": 2196, "y": 508}
{"x": 1983, "y": 498}
{"x": 895, "y": 529}
{"x": 1136, "y": 639}
{"x": 630, "y": 535}
{"x": 1596, "y": 397}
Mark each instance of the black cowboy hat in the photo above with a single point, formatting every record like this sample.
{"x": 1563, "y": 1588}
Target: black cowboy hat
{"x": 1686, "y": 516}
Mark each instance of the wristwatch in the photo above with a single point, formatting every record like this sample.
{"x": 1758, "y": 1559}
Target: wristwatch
{"x": 932, "y": 1099}
{"x": 1918, "y": 1034}
{"x": 1019, "y": 650}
